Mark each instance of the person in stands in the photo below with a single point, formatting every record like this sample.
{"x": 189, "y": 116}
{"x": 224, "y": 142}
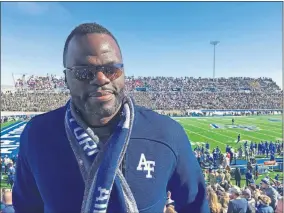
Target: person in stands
{"x": 270, "y": 192}
{"x": 264, "y": 207}
{"x": 7, "y": 202}
{"x": 237, "y": 204}
{"x": 238, "y": 176}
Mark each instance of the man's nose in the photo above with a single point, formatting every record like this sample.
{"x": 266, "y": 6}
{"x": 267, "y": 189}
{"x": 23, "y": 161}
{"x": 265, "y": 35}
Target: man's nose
{"x": 100, "y": 79}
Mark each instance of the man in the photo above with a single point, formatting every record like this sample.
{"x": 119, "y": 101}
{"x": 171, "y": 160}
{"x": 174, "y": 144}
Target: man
{"x": 263, "y": 149}
{"x": 267, "y": 152}
{"x": 6, "y": 162}
{"x": 212, "y": 177}
{"x": 217, "y": 149}
{"x": 239, "y": 138}
{"x": 248, "y": 177}
{"x": 247, "y": 153}
{"x": 118, "y": 156}
{"x": 266, "y": 144}
{"x": 233, "y": 121}
{"x": 251, "y": 201}
{"x": 202, "y": 149}
{"x": 270, "y": 192}
{"x": 227, "y": 148}
{"x": 7, "y": 203}
{"x": 11, "y": 175}
{"x": 272, "y": 157}
{"x": 238, "y": 176}
{"x": 231, "y": 156}
{"x": 259, "y": 148}
{"x": 228, "y": 176}
{"x": 220, "y": 176}
{"x": 237, "y": 204}
{"x": 251, "y": 146}
{"x": 240, "y": 152}
{"x": 256, "y": 171}
{"x": 207, "y": 146}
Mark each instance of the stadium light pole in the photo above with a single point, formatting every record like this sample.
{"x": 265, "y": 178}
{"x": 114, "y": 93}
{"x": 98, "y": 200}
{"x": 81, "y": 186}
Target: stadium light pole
{"x": 214, "y": 43}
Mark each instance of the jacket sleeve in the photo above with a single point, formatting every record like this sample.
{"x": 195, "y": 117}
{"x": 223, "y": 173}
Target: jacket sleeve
{"x": 187, "y": 182}
{"x": 26, "y": 197}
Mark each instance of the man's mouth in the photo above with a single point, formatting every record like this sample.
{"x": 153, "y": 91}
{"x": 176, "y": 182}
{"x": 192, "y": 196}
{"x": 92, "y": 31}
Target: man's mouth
{"x": 102, "y": 96}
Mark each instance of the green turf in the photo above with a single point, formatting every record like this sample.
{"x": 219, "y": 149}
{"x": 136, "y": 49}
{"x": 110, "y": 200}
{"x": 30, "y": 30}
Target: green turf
{"x": 4, "y": 182}
{"x": 7, "y": 124}
{"x": 199, "y": 130}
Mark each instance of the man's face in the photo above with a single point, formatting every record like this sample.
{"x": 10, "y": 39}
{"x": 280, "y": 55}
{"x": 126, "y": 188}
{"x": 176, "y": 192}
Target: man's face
{"x": 263, "y": 185}
{"x": 100, "y": 97}
{"x": 232, "y": 196}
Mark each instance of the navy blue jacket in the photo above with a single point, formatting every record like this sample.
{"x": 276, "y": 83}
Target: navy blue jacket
{"x": 264, "y": 209}
{"x": 48, "y": 178}
{"x": 7, "y": 209}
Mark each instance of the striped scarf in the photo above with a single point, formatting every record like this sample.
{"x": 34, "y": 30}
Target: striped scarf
{"x": 99, "y": 165}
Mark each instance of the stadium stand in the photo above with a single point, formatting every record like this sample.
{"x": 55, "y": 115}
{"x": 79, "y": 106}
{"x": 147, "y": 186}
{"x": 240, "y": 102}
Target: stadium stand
{"x": 44, "y": 93}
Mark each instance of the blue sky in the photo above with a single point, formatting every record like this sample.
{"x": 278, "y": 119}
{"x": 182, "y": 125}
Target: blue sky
{"x": 157, "y": 39}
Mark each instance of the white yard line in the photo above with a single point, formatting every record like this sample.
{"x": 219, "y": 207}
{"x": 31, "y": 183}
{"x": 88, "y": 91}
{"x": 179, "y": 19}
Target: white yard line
{"x": 190, "y": 131}
{"x": 209, "y": 131}
{"x": 18, "y": 124}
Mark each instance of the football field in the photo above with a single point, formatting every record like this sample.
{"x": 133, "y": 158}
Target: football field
{"x": 219, "y": 131}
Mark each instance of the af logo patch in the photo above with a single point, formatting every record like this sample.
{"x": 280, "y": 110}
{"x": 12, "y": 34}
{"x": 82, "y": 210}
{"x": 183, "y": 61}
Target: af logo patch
{"x": 146, "y": 166}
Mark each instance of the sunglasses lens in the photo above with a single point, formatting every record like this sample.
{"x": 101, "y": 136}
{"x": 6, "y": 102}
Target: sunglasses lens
{"x": 88, "y": 73}
{"x": 82, "y": 74}
{"x": 112, "y": 73}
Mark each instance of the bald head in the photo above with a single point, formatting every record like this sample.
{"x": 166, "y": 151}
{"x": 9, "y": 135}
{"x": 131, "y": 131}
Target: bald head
{"x": 7, "y": 197}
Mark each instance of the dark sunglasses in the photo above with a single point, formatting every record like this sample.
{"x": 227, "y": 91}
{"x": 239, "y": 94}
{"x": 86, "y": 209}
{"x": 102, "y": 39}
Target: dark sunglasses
{"x": 87, "y": 73}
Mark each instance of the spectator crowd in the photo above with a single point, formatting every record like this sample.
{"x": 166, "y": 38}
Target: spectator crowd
{"x": 40, "y": 94}
{"x": 247, "y": 152}
{"x": 223, "y": 195}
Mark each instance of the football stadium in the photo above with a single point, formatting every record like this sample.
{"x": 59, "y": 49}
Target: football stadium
{"x": 152, "y": 131}
{"x": 258, "y": 120}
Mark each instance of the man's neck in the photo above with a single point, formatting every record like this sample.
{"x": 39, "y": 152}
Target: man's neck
{"x": 105, "y": 126}
{"x": 104, "y": 132}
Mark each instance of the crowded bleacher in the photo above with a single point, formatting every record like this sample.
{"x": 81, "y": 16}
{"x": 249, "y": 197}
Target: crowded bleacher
{"x": 44, "y": 93}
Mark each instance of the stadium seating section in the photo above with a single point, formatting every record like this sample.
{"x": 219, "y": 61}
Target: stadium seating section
{"x": 44, "y": 93}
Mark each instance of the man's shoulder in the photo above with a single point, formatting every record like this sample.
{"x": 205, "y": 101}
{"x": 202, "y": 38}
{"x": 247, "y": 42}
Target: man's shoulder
{"x": 40, "y": 129}
{"x": 152, "y": 126}
{"x": 239, "y": 201}
{"x": 44, "y": 124}
{"x": 44, "y": 119}
{"x": 272, "y": 190}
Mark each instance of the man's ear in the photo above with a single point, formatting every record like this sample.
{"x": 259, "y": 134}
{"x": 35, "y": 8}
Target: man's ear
{"x": 65, "y": 79}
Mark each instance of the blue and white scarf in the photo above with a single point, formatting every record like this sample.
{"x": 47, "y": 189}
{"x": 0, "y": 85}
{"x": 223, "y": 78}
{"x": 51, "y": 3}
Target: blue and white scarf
{"x": 100, "y": 164}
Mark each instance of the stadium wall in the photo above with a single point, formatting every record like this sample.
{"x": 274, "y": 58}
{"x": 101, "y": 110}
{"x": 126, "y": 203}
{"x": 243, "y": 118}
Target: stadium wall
{"x": 14, "y": 113}
{"x": 178, "y": 112}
